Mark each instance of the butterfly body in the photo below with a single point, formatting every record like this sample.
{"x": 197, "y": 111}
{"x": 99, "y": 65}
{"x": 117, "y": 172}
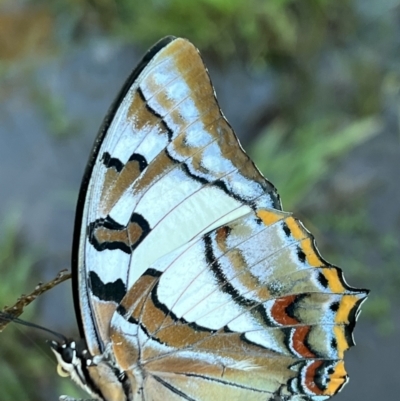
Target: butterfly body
{"x": 190, "y": 281}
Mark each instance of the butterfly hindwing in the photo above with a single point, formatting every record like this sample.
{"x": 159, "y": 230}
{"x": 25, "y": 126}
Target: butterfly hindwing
{"x": 212, "y": 317}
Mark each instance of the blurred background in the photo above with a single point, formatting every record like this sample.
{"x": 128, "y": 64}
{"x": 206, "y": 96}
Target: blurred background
{"x": 312, "y": 88}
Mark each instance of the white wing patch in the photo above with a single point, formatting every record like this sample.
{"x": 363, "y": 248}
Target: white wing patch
{"x": 197, "y": 208}
{"x": 114, "y": 263}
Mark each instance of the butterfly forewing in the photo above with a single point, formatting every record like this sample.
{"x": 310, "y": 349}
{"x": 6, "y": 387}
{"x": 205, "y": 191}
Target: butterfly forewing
{"x": 167, "y": 152}
{"x": 186, "y": 264}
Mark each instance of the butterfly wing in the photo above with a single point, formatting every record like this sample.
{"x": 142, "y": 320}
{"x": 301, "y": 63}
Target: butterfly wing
{"x": 166, "y": 168}
{"x": 185, "y": 262}
{"x": 248, "y": 311}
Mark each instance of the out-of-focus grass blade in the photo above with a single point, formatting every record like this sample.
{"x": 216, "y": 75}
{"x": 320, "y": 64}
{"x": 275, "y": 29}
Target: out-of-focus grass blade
{"x": 296, "y": 162}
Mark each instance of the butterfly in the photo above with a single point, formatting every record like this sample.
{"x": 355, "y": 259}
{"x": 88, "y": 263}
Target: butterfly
{"x": 190, "y": 282}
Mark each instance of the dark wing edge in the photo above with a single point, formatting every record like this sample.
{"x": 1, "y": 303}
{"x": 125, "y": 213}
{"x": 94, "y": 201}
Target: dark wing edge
{"x": 89, "y": 168}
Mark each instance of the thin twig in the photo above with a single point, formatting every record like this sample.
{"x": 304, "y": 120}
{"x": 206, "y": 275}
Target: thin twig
{"x": 24, "y": 300}
{"x": 67, "y": 398}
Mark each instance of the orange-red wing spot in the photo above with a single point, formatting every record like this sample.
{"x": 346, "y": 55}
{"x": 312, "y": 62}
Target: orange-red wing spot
{"x": 311, "y": 374}
{"x": 334, "y": 383}
{"x": 279, "y": 313}
{"x": 299, "y": 342}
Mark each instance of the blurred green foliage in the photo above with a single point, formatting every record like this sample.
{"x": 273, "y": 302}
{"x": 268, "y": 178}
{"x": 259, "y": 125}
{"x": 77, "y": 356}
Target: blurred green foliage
{"x": 15, "y": 270}
{"x": 327, "y": 67}
{"x": 53, "y": 110}
{"x": 371, "y": 260}
{"x": 245, "y": 28}
{"x": 305, "y": 153}
{"x": 24, "y": 354}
